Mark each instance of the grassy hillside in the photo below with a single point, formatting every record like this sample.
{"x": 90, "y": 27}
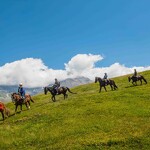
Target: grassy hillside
{"x": 85, "y": 121}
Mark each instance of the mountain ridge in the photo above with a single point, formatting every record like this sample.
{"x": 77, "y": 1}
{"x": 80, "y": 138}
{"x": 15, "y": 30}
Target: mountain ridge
{"x": 6, "y": 90}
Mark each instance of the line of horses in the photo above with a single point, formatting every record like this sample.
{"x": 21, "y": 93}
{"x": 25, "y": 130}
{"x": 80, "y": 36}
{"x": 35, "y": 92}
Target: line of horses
{"x": 19, "y": 101}
{"x": 103, "y": 83}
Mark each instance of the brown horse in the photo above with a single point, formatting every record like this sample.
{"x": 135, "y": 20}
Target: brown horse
{"x": 18, "y": 100}
{"x": 137, "y": 78}
{"x": 104, "y": 83}
{"x": 4, "y": 111}
{"x": 61, "y": 90}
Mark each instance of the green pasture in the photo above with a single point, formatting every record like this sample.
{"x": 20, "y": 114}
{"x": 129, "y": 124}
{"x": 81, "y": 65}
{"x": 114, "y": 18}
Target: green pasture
{"x": 88, "y": 120}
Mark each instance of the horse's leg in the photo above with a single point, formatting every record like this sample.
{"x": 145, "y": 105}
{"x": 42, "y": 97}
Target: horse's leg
{"x": 21, "y": 107}
{"x": 16, "y": 108}
{"x": 144, "y": 80}
{"x": 100, "y": 89}
{"x": 53, "y": 98}
{"x": 141, "y": 82}
{"x": 114, "y": 87}
{"x": 2, "y": 112}
{"x": 111, "y": 87}
{"x": 135, "y": 82}
{"x": 29, "y": 104}
{"x": 65, "y": 95}
{"x": 105, "y": 88}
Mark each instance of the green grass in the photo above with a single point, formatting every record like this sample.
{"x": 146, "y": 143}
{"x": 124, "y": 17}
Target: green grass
{"x": 115, "y": 120}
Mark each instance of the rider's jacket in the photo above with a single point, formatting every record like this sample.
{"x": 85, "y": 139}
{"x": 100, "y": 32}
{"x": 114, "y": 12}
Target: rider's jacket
{"x": 21, "y": 91}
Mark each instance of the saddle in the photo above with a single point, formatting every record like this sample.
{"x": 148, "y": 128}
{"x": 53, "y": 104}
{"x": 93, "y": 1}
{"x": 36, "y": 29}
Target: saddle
{"x": 136, "y": 77}
{"x": 57, "y": 90}
{"x": 106, "y": 81}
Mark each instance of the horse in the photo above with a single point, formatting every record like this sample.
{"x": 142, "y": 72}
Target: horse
{"x": 61, "y": 90}
{"x": 4, "y": 111}
{"x": 18, "y": 100}
{"x": 137, "y": 78}
{"x": 104, "y": 83}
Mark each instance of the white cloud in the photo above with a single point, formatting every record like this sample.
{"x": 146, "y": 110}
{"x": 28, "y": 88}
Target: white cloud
{"x": 33, "y": 72}
{"x": 82, "y": 62}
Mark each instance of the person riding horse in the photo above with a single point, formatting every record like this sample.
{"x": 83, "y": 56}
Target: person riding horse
{"x": 21, "y": 91}
{"x": 105, "y": 78}
{"x": 56, "y": 85}
{"x": 136, "y": 78}
{"x": 135, "y": 73}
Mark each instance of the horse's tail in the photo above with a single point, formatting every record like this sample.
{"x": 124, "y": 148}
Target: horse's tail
{"x": 31, "y": 99}
{"x": 144, "y": 79}
{"x": 115, "y": 85}
{"x": 28, "y": 97}
{"x": 70, "y": 91}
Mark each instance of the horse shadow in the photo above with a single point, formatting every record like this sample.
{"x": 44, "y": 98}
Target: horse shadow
{"x": 42, "y": 104}
{"x": 132, "y": 86}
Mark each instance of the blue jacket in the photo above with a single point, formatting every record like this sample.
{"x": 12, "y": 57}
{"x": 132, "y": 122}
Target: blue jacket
{"x": 21, "y": 91}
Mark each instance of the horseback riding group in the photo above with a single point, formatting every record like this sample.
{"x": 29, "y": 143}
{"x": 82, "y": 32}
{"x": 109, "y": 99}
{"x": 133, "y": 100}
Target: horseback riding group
{"x": 21, "y": 97}
{"x": 103, "y": 82}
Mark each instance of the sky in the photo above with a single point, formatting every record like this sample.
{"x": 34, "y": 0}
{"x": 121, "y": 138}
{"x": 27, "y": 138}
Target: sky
{"x": 43, "y": 40}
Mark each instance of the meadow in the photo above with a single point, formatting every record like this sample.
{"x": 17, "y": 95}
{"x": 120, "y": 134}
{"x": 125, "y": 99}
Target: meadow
{"x": 88, "y": 120}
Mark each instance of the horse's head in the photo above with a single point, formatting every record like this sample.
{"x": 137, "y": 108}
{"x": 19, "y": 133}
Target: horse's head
{"x": 129, "y": 79}
{"x": 96, "y": 79}
{"x": 13, "y": 98}
{"x": 45, "y": 90}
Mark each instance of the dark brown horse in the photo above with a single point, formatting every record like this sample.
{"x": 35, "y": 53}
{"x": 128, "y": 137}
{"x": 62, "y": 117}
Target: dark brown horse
{"x": 137, "y": 78}
{"x": 61, "y": 90}
{"x": 4, "y": 111}
{"x": 104, "y": 83}
{"x": 18, "y": 100}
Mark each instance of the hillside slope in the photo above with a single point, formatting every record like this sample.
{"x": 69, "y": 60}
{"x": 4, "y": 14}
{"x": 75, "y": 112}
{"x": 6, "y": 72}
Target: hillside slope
{"x": 86, "y": 120}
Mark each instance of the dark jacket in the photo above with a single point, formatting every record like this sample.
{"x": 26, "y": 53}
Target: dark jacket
{"x": 21, "y": 91}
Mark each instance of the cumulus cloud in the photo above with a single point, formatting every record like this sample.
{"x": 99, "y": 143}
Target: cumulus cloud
{"x": 81, "y": 62}
{"x": 32, "y": 72}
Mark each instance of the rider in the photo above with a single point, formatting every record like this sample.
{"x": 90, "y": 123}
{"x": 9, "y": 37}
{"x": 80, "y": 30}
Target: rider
{"x": 21, "y": 91}
{"x": 135, "y": 73}
{"x": 56, "y": 85}
{"x": 105, "y": 78}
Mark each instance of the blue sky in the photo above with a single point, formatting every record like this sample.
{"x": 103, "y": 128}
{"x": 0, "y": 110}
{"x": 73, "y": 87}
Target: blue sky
{"x": 57, "y": 30}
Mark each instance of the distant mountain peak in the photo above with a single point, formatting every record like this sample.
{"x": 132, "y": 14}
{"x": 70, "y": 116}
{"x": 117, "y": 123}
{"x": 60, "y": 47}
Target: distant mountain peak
{"x": 6, "y": 90}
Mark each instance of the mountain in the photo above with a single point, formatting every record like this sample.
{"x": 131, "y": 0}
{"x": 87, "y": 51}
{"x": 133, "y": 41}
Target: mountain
{"x": 6, "y": 90}
{"x": 72, "y": 82}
